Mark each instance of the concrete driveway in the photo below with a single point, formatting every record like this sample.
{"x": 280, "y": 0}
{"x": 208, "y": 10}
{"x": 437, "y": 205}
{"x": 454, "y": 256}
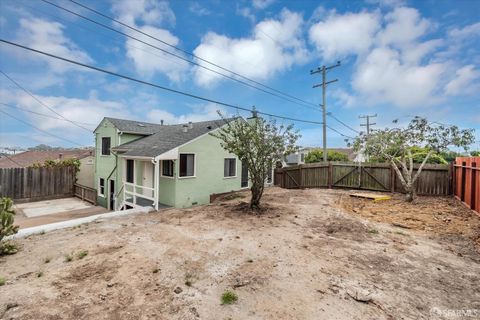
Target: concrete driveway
{"x": 37, "y": 213}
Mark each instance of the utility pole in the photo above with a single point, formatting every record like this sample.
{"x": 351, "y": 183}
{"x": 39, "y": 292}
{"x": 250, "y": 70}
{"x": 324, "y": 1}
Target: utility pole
{"x": 324, "y": 69}
{"x": 368, "y": 124}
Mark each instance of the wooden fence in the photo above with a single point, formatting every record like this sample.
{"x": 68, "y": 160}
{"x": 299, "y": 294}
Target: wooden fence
{"x": 85, "y": 193}
{"x": 434, "y": 179}
{"x": 32, "y": 184}
{"x": 467, "y": 181}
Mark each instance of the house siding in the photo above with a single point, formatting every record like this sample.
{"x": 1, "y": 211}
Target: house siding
{"x": 209, "y": 179}
{"x": 104, "y": 165}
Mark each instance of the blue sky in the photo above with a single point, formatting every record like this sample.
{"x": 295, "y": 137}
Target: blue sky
{"x": 399, "y": 59}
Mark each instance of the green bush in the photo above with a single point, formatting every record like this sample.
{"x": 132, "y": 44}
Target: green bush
{"x": 229, "y": 297}
{"x": 434, "y": 158}
{"x": 316, "y": 155}
{"x": 7, "y": 216}
{"x": 475, "y": 153}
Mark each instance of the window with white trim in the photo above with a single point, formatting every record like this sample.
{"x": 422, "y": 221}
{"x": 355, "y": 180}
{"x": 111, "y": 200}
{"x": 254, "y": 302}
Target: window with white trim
{"x": 187, "y": 165}
{"x": 230, "y": 167}
{"x": 167, "y": 168}
{"x": 101, "y": 187}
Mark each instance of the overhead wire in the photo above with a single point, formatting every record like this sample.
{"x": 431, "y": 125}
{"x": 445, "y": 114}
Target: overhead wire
{"x": 41, "y": 103}
{"x": 168, "y": 52}
{"x": 191, "y": 95}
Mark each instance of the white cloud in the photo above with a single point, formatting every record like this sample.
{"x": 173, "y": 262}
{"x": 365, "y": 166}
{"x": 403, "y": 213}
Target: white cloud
{"x": 404, "y": 26}
{"x": 198, "y": 9}
{"x": 149, "y": 12}
{"x": 387, "y": 3}
{"x": 246, "y": 13}
{"x": 274, "y": 46}
{"x": 262, "y": 4}
{"x": 465, "y": 32}
{"x": 49, "y": 36}
{"x": 148, "y": 16}
{"x": 466, "y": 81}
{"x": 340, "y": 35}
{"x": 148, "y": 60}
{"x": 382, "y": 77}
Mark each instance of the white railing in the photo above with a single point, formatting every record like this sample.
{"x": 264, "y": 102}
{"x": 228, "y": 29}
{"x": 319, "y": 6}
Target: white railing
{"x": 130, "y": 190}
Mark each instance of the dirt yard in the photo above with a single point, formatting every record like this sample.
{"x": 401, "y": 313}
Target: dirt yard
{"x": 313, "y": 254}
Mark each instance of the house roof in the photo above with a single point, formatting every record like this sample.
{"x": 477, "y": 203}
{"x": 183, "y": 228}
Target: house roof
{"x": 28, "y": 158}
{"x": 168, "y": 137}
{"x": 138, "y": 127}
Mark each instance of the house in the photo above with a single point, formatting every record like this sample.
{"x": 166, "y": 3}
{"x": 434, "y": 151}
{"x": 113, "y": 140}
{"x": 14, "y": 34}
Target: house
{"x": 29, "y": 158}
{"x": 147, "y": 164}
{"x": 299, "y": 157}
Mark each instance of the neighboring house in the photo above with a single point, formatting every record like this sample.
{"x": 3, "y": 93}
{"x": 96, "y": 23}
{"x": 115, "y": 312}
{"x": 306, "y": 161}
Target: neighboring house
{"x": 146, "y": 164}
{"x": 29, "y": 158}
{"x": 85, "y": 176}
{"x": 299, "y": 157}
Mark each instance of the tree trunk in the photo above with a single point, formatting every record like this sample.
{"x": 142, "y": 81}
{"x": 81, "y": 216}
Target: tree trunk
{"x": 257, "y": 192}
{"x": 410, "y": 193}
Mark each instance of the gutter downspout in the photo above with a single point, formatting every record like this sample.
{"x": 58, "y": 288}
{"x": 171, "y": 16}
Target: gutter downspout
{"x": 156, "y": 182}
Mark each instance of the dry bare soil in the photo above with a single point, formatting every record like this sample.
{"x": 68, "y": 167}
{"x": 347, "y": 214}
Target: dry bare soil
{"x": 313, "y": 254}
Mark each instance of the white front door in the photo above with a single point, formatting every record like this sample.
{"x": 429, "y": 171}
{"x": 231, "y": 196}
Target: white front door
{"x": 148, "y": 178}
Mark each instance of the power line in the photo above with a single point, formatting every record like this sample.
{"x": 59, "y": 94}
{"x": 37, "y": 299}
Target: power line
{"x": 335, "y": 130}
{"x": 45, "y": 115}
{"x": 43, "y": 104}
{"x": 41, "y": 130}
{"x": 191, "y": 95}
{"x": 284, "y": 97}
{"x": 9, "y": 158}
{"x": 341, "y": 122}
{"x": 324, "y": 84}
{"x": 192, "y": 54}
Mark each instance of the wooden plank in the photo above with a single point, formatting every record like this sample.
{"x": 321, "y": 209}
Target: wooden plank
{"x": 372, "y": 196}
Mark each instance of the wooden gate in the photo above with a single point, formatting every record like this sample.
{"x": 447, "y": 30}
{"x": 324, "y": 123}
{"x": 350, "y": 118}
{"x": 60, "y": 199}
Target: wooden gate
{"x": 362, "y": 177}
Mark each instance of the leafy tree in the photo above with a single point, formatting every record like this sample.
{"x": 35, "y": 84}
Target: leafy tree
{"x": 316, "y": 155}
{"x": 475, "y": 153}
{"x": 419, "y": 132}
{"x": 259, "y": 144}
{"x": 6, "y": 226}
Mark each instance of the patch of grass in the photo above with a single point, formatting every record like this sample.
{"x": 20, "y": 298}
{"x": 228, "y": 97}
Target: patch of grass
{"x": 68, "y": 258}
{"x": 229, "y": 297}
{"x": 82, "y": 254}
{"x": 42, "y": 232}
{"x": 47, "y": 260}
{"x": 40, "y": 274}
{"x": 373, "y": 231}
{"x": 401, "y": 233}
{"x": 2, "y": 281}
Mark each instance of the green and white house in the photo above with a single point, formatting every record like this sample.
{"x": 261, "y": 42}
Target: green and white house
{"x": 147, "y": 164}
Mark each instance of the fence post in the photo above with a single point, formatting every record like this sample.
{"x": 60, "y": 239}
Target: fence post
{"x": 392, "y": 178}
{"x": 301, "y": 177}
{"x": 330, "y": 175}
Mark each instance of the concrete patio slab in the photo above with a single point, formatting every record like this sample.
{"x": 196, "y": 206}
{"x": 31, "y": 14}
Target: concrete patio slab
{"x": 46, "y": 207}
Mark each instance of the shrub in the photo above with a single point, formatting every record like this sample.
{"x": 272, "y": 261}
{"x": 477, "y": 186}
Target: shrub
{"x": 68, "y": 258}
{"x": 317, "y": 156}
{"x": 229, "y": 297}
{"x": 82, "y": 254}
{"x": 2, "y": 281}
{"x": 7, "y": 216}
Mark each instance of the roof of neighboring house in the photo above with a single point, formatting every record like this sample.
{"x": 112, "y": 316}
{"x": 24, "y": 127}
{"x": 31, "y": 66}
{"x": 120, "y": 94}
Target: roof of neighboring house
{"x": 138, "y": 127}
{"x": 28, "y": 158}
{"x": 168, "y": 137}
